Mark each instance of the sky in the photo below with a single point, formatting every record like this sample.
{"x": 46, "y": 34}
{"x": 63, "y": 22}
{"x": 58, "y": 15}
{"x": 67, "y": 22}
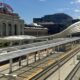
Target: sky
{"x": 29, "y": 9}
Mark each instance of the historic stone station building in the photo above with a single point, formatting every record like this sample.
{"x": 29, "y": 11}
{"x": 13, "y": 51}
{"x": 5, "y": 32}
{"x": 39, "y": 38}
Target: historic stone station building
{"x": 10, "y": 23}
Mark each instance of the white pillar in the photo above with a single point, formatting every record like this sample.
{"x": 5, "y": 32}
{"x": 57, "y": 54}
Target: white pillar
{"x": 12, "y": 29}
{"x": 35, "y": 56}
{"x": 18, "y": 29}
{"x": 1, "y": 30}
{"x": 10, "y": 68}
{"x": 27, "y": 61}
{"x": 19, "y": 61}
{"x": 7, "y": 31}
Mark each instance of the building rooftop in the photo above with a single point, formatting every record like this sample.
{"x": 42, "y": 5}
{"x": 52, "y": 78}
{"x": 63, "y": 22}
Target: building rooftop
{"x": 35, "y": 24}
{"x": 34, "y": 28}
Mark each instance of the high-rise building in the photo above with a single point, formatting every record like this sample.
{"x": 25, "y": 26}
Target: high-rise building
{"x": 55, "y": 23}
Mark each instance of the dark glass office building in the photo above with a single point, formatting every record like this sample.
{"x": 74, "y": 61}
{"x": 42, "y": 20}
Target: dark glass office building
{"x": 55, "y": 22}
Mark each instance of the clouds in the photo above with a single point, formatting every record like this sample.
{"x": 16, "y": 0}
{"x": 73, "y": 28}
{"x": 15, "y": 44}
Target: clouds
{"x": 75, "y": 2}
{"x": 73, "y": 7}
{"x": 63, "y": 9}
{"x": 77, "y": 10}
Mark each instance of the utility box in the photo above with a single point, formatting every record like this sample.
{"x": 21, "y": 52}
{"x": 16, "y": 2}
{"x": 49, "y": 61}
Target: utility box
{"x": 78, "y": 57}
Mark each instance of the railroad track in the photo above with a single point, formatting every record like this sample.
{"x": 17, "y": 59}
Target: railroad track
{"x": 52, "y": 68}
{"x": 73, "y": 72}
{"x": 45, "y": 70}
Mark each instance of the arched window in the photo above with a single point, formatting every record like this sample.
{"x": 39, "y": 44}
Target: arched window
{"x": 10, "y": 29}
{"x": 15, "y": 29}
{"x": 4, "y": 29}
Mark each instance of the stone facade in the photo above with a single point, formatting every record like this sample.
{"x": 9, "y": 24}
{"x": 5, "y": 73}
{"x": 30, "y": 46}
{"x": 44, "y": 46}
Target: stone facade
{"x": 34, "y": 31}
{"x": 11, "y": 25}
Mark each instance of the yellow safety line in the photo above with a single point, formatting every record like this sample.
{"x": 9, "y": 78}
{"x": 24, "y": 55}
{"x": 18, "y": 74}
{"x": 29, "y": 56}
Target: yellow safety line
{"x": 4, "y": 66}
{"x": 33, "y": 74}
{"x": 39, "y": 70}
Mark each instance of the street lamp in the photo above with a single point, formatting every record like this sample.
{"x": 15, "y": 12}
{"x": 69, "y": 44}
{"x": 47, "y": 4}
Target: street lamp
{"x": 59, "y": 70}
{"x": 58, "y": 64}
{"x": 78, "y": 58}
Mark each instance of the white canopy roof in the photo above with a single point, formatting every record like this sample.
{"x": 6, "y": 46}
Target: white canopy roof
{"x": 35, "y": 24}
{"x": 19, "y": 37}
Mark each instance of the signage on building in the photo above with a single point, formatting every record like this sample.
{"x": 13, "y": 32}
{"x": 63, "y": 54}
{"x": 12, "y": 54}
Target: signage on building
{"x": 7, "y": 6}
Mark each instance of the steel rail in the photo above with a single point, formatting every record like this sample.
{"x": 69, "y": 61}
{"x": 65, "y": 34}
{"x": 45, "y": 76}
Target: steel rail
{"x": 43, "y": 76}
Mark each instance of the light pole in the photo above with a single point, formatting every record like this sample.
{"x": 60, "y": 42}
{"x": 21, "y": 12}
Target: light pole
{"x": 58, "y": 64}
{"x": 78, "y": 58}
{"x": 58, "y": 70}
